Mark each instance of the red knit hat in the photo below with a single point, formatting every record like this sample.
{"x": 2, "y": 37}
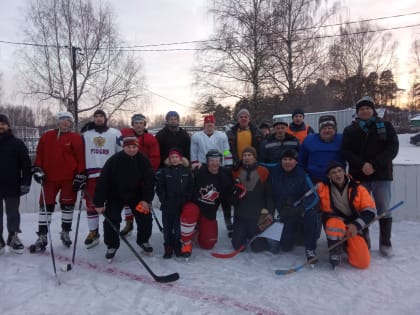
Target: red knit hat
{"x": 175, "y": 151}
{"x": 130, "y": 141}
{"x": 209, "y": 119}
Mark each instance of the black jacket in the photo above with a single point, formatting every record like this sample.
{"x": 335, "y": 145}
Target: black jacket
{"x": 232, "y": 135}
{"x": 209, "y": 189}
{"x": 15, "y": 165}
{"x": 359, "y": 147}
{"x": 174, "y": 187}
{"x": 168, "y": 140}
{"x": 125, "y": 180}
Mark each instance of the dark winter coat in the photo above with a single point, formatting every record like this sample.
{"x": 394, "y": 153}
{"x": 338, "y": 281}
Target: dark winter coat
{"x": 168, "y": 139}
{"x": 289, "y": 187}
{"x": 271, "y": 148}
{"x": 15, "y": 165}
{"x": 125, "y": 180}
{"x": 232, "y": 135}
{"x": 359, "y": 147}
{"x": 209, "y": 189}
{"x": 174, "y": 187}
{"x": 258, "y": 195}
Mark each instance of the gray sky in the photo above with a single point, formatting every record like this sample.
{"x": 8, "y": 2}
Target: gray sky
{"x": 164, "y": 21}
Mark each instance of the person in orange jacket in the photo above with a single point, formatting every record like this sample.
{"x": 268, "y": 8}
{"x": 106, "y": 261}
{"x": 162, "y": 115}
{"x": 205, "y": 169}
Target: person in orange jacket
{"x": 347, "y": 207}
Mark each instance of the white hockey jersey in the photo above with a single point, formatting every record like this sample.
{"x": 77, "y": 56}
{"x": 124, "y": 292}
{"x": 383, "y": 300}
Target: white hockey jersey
{"x": 201, "y": 143}
{"x": 99, "y": 147}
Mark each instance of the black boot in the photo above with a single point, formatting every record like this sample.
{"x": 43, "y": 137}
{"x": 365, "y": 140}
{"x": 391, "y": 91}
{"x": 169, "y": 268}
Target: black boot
{"x": 385, "y": 246}
{"x": 366, "y": 236}
{"x": 335, "y": 253}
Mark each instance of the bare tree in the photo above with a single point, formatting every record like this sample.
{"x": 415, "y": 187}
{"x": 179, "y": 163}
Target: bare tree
{"x": 359, "y": 50}
{"x": 297, "y": 50}
{"x": 108, "y": 77}
{"x": 232, "y": 65}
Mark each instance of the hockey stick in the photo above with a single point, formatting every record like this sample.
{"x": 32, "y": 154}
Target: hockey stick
{"x": 308, "y": 262}
{"x": 49, "y": 233}
{"x": 155, "y": 217}
{"x": 162, "y": 279}
{"x": 69, "y": 267}
{"x": 242, "y": 247}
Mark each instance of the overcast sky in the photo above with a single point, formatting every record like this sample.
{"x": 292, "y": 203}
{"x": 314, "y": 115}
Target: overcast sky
{"x": 163, "y": 21}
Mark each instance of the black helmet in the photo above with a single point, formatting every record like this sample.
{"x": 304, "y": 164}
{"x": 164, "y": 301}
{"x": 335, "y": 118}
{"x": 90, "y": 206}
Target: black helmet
{"x": 212, "y": 153}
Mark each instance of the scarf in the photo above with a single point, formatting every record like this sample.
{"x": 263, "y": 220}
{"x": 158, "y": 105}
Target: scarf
{"x": 379, "y": 123}
{"x": 249, "y": 169}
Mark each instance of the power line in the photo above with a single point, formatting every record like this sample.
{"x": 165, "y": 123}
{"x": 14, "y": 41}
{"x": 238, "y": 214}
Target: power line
{"x": 168, "y": 99}
{"x": 299, "y": 29}
{"x": 122, "y": 49}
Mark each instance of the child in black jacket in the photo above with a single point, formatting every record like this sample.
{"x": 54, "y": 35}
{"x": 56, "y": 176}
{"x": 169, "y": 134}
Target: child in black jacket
{"x": 174, "y": 189}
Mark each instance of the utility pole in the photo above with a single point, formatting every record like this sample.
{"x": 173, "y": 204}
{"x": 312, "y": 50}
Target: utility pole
{"x": 73, "y": 67}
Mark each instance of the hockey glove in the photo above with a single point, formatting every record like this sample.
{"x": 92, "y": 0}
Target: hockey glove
{"x": 79, "y": 182}
{"x": 264, "y": 220}
{"x": 239, "y": 190}
{"x": 39, "y": 174}
{"x": 142, "y": 209}
{"x": 24, "y": 189}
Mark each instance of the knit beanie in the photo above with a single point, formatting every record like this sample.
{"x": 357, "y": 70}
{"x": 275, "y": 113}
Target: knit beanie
{"x": 280, "y": 120}
{"x": 298, "y": 111}
{"x": 175, "y": 151}
{"x": 130, "y": 141}
{"x": 289, "y": 153}
{"x": 137, "y": 117}
{"x": 333, "y": 164}
{"x": 327, "y": 120}
{"x": 365, "y": 101}
{"x": 250, "y": 150}
{"x": 4, "y": 119}
{"x": 243, "y": 111}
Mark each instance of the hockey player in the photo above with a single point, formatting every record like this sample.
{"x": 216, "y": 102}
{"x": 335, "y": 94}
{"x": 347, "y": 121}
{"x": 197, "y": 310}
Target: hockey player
{"x": 59, "y": 167}
{"x": 127, "y": 178}
{"x": 173, "y": 136}
{"x": 101, "y": 142}
{"x": 276, "y": 143}
{"x": 149, "y": 146}
{"x": 207, "y": 139}
{"x": 290, "y": 183}
{"x": 15, "y": 181}
{"x": 256, "y": 182}
{"x": 298, "y": 127}
{"x": 174, "y": 189}
{"x": 210, "y": 186}
{"x": 369, "y": 146}
{"x": 347, "y": 207}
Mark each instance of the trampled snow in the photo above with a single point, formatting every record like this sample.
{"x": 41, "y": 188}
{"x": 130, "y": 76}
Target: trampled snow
{"x": 245, "y": 284}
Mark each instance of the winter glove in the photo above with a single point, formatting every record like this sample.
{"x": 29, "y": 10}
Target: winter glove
{"x": 24, "y": 189}
{"x": 39, "y": 174}
{"x": 79, "y": 182}
{"x": 264, "y": 220}
{"x": 142, "y": 208}
{"x": 239, "y": 190}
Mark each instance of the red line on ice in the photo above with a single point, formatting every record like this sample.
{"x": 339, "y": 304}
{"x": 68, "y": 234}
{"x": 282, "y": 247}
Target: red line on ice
{"x": 183, "y": 291}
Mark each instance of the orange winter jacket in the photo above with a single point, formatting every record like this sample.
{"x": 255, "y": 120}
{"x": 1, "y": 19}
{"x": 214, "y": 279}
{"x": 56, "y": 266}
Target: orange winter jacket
{"x": 361, "y": 203}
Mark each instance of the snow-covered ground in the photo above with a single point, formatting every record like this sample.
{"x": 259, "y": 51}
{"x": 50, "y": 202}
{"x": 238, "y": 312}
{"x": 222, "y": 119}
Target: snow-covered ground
{"x": 245, "y": 284}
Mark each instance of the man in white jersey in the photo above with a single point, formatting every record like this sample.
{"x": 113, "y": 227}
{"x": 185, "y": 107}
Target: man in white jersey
{"x": 101, "y": 142}
{"x": 206, "y": 140}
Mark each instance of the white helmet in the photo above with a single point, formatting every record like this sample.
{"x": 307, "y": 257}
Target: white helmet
{"x": 63, "y": 115}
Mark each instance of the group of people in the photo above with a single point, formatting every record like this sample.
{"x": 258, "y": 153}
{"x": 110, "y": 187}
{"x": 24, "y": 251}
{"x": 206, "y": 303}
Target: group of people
{"x": 290, "y": 173}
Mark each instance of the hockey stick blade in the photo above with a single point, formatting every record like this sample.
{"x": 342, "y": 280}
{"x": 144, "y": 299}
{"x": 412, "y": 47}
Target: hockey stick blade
{"x": 168, "y": 278}
{"x": 282, "y": 272}
{"x": 228, "y": 255}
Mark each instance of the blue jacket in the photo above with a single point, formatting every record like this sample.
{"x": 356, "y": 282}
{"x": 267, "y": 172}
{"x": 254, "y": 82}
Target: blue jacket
{"x": 289, "y": 187}
{"x": 315, "y": 155}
